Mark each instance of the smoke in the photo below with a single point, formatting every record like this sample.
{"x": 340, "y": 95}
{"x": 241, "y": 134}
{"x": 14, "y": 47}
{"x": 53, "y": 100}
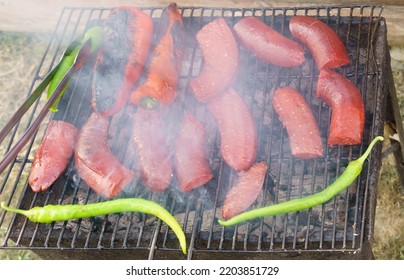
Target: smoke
{"x": 76, "y": 106}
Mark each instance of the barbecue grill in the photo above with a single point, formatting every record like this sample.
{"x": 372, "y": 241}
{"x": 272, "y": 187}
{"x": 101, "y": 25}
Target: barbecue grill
{"x": 341, "y": 228}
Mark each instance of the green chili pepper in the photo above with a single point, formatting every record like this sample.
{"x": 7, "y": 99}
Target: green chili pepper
{"x": 352, "y": 171}
{"x": 52, "y": 213}
{"x": 95, "y": 34}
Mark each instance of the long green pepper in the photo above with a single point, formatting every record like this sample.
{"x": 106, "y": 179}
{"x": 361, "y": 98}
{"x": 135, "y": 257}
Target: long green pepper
{"x": 52, "y": 213}
{"x": 352, "y": 171}
{"x": 95, "y": 34}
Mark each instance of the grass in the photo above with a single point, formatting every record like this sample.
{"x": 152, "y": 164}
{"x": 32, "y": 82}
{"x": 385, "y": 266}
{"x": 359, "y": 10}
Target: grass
{"x": 389, "y": 224}
{"x": 19, "y": 58}
{"x": 388, "y": 234}
{"x": 21, "y": 53}
{"x": 15, "y": 254}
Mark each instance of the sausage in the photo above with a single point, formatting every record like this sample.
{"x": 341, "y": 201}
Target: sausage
{"x": 94, "y": 161}
{"x": 220, "y": 60}
{"x": 53, "y": 155}
{"x": 347, "y": 108}
{"x": 238, "y": 132}
{"x": 247, "y": 189}
{"x": 322, "y": 41}
{"x": 190, "y": 159}
{"x": 301, "y": 126}
{"x": 127, "y": 38}
{"x": 267, "y": 44}
{"x": 152, "y": 151}
{"x": 165, "y": 66}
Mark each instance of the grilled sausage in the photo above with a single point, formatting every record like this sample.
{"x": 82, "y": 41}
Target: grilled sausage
{"x": 323, "y": 42}
{"x": 300, "y": 124}
{"x": 191, "y": 164}
{"x": 151, "y": 148}
{"x": 94, "y": 161}
{"x": 54, "y": 153}
{"x": 267, "y": 44}
{"x": 127, "y": 37}
{"x": 220, "y": 57}
{"x": 348, "y": 112}
{"x": 238, "y": 134}
{"x": 247, "y": 189}
{"x": 165, "y": 67}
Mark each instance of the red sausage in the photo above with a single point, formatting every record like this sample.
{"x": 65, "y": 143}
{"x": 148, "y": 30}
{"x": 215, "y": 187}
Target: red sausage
{"x": 239, "y": 140}
{"x": 301, "y": 126}
{"x": 127, "y": 37}
{"x": 348, "y": 112}
{"x": 324, "y": 44}
{"x": 53, "y": 155}
{"x": 94, "y": 161}
{"x": 151, "y": 148}
{"x": 165, "y": 67}
{"x": 247, "y": 189}
{"x": 220, "y": 57}
{"x": 268, "y": 44}
{"x": 191, "y": 164}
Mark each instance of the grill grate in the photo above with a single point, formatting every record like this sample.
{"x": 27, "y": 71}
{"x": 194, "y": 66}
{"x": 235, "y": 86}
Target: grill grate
{"x": 340, "y": 228}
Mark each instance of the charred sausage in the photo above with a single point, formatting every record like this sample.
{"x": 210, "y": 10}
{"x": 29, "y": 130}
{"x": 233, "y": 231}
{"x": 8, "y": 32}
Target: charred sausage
{"x": 94, "y": 161}
{"x": 54, "y": 153}
{"x": 165, "y": 66}
{"x": 238, "y": 134}
{"x": 152, "y": 150}
{"x": 323, "y": 42}
{"x": 347, "y": 108}
{"x": 127, "y": 37}
{"x": 268, "y": 44}
{"x": 191, "y": 163}
{"x": 301, "y": 126}
{"x": 247, "y": 189}
{"x": 220, "y": 60}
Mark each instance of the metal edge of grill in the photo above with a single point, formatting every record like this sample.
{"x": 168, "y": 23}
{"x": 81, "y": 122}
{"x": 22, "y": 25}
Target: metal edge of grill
{"x": 293, "y": 235}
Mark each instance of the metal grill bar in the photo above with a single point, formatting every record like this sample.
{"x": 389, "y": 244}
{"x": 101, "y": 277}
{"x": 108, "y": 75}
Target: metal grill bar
{"x": 343, "y": 225}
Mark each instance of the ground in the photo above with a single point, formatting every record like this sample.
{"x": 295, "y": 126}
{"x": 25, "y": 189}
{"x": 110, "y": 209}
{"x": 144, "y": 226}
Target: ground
{"x": 389, "y": 225}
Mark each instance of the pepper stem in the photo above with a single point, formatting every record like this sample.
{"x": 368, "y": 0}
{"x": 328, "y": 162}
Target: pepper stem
{"x": 364, "y": 156}
{"x": 13, "y": 210}
{"x": 150, "y": 103}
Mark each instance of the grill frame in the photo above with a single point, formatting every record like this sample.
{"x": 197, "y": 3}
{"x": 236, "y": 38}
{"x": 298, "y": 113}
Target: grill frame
{"x": 160, "y": 243}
